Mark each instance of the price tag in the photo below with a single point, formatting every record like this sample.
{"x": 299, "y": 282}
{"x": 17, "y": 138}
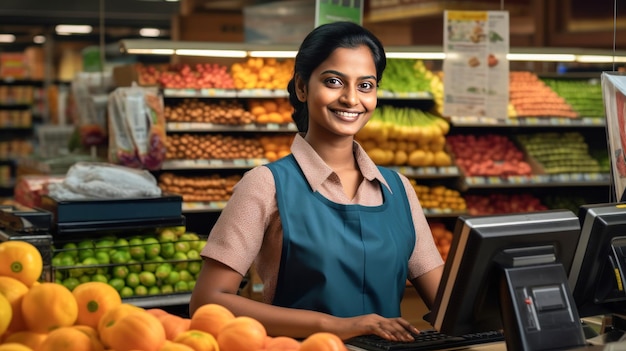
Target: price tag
{"x": 273, "y": 126}
{"x": 239, "y": 162}
{"x": 216, "y": 163}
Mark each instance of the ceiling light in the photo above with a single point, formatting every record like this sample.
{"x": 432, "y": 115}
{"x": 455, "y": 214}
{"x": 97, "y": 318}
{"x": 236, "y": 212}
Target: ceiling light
{"x": 149, "y": 32}
{"x": 73, "y": 29}
{"x": 541, "y": 57}
{"x": 7, "y": 38}
{"x": 39, "y": 39}
{"x": 275, "y": 54}
{"x": 211, "y": 53}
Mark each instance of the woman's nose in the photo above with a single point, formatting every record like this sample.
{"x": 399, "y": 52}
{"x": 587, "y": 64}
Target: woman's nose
{"x": 349, "y": 97}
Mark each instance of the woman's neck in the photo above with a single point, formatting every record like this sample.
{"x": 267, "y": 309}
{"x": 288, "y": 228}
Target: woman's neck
{"x": 337, "y": 153}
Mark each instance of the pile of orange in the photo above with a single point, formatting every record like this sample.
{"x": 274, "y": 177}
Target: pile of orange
{"x": 46, "y": 316}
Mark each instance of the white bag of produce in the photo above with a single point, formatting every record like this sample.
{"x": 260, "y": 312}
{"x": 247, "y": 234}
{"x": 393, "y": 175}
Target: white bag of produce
{"x": 96, "y": 180}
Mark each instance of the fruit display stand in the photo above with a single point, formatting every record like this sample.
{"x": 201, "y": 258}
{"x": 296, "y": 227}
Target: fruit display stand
{"x": 138, "y": 246}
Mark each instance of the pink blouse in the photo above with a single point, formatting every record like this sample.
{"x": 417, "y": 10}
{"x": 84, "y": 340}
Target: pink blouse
{"x": 249, "y": 229}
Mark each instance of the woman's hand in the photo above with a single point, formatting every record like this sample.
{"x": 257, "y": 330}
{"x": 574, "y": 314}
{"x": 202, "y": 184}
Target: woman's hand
{"x": 396, "y": 329}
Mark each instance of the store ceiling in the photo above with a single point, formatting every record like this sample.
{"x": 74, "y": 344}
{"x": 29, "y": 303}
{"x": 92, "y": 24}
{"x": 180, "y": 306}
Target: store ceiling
{"x": 120, "y": 18}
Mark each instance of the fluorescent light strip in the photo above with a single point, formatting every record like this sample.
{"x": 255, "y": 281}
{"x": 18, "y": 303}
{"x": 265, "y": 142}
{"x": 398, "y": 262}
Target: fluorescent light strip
{"x": 151, "y": 51}
{"x": 276, "y": 54}
{"x": 542, "y": 57}
{"x": 599, "y": 58}
{"x": 416, "y": 55}
{"x": 211, "y": 53}
{"x": 7, "y": 38}
{"x": 149, "y": 32}
{"x": 73, "y": 29}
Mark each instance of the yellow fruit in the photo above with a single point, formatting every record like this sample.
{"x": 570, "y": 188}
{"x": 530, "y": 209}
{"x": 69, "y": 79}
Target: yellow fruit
{"x": 14, "y": 290}
{"x": 53, "y": 301}
{"x": 94, "y": 299}
{"x": 6, "y": 313}
{"x": 13, "y": 346}
{"x": 20, "y": 260}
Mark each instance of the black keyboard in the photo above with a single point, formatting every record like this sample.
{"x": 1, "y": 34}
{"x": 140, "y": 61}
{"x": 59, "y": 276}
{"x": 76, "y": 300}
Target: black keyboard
{"x": 426, "y": 340}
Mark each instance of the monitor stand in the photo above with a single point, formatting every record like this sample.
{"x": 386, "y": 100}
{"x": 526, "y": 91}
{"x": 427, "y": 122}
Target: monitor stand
{"x": 537, "y": 306}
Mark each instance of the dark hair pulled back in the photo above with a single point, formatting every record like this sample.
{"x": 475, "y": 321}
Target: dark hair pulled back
{"x": 317, "y": 46}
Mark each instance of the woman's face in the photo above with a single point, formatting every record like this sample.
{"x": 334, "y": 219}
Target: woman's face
{"x": 341, "y": 93}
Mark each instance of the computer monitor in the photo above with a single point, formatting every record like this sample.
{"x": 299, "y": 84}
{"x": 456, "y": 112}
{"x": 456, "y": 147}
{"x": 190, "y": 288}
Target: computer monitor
{"x": 598, "y": 274}
{"x": 509, "y": 272}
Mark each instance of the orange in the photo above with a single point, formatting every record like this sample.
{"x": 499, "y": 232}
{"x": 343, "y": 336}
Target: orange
{"x": 14, "y": 290}
{"x": 20, "y": 260}
{"x": 323, "y": 341}
{"x": 66, "y": 339}
{"x": 157, "y": 312}
{"x": 111, "y": 317}
{"x": 282, "y": 343}
{"x": 6, "y": 313}
{"x": 175, "y": 346}
{"x": 47, "y": 306}
{"x": 211, "y": 318}
{"x": 94, "y": 299}
{"x": 92, "y": 333}
{"x": 13, "y": 346}
{"x": 137, "y": 331}
{"x": 242, "y": 334}
{"x": 27, "y": 338}
{"x": 198, "y": 340}
{"x": 174, "y": 325}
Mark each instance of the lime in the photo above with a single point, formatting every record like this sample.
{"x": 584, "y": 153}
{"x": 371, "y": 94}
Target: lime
{"x": 179, "y": 230}
{"x": 84, "y": 278}
{"x": 189, "y": 237}
{"x": 105, "y": 244}
{"x": 141, "y": 290}
{"x": 182, "y": 260}
{"x": 152, "y": 265}
{"x": 121, "y": 243}
{"x": 182, "y": 246}
{"x": 56, "y": 260}
{"x": 194, "y": 267}
{"x": 85, "y": 244}
{"x": 137, "y": 252}
{"x": 198, "y": 245}
{"x": 127, "y": 292}
{"x": 153, "y": 250}
{"x": 193, "y": 254}
{"x": 173, "y": 278}
{"x": 102, "y": 257}
{"x": 59, "y": 275}
{"x": 71, "y": 283}
{"x": 134, "y": 266}
{"x": 76, "y": 272}
{"x": 120, "y": 256}
{"x": 117, "y": 283}
{"x": 154, "y": 290}
{"x": 167, "y": 235}
{"x": 163, "y": 270}
{"x": 99, "y": 278}
{"x": 167, "y": 289}
{"x": 168, "y": 250}
{"x": 90, "y": 264}
{"x": 181, "y": 286}
{"x": 191, "y": 284}
{"x": 67, "y": 260}
{"x": 120, "y": 272}
{"x": 185, "y": 275}
{"x": 71, "y": 249}
{"x": 147, "y": 279}
{"x": 132, "y": 280}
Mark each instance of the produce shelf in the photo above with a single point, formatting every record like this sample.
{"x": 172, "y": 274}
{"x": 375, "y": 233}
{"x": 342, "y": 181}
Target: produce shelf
{"x": 557, "y": 122}
{"x": 428, "y": 172}
{"x": 224, "y": 93}
{"x": 213, "y": 164}
{"x": 213, "y": 206}
{"x": 552, "y": 180}
{"x": 418, "y": 95}
{"x": 212, "y": 127}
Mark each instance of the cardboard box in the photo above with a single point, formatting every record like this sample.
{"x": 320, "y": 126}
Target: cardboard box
{"x": 209, "y": 27}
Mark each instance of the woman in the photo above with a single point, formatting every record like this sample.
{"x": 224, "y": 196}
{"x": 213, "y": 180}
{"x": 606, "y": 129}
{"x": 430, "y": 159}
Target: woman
{"x": 332, "y": 236}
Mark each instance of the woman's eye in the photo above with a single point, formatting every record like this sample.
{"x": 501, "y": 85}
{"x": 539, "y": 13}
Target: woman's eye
{"x": 333, "y": 81}
{"x": 367, "y": 86}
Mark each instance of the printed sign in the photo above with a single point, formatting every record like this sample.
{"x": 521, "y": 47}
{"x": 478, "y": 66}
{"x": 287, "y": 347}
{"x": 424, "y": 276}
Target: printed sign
{"x": 614, "y": 95}
{"x": 476, "y": 68}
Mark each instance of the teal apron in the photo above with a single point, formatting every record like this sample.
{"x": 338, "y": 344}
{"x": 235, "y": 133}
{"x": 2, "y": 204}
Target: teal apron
{"x": 345, "y": 260}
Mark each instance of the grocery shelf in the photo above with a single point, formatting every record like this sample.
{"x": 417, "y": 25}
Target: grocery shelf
{"x": 212, "y": 127}
{"x": 224, "y": 93}
{"x": 211, "y": 206}
{"x": 553, "y": 180}
{"x": 159, "y": 300}
{"x": 418, "y": 95}
{"x": 558, "y": 122}
{"x": 212, "y": 164}
{"x": 427, "y": 172}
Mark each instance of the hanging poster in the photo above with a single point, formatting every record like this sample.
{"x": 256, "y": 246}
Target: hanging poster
{"x": 328, "y": 11}
{"x": 476, "y": 69}
{"x": 614, "y": 96}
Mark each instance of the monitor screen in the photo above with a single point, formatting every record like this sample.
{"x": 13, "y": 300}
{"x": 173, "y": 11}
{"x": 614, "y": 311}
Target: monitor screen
{"x": 476, "y": 294}
{"x": 597, "y": 275}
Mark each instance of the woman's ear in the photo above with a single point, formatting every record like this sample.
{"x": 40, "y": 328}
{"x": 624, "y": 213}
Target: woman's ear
{"x": 300, "y": 88}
